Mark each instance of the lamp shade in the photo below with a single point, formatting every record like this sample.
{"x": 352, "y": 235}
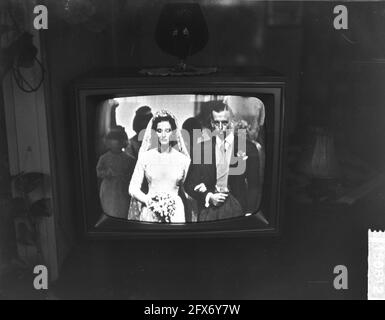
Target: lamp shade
{"x": 319, "y": 158}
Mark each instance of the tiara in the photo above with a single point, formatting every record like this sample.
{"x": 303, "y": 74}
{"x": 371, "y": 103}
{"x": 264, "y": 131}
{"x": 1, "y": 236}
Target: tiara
{"x": 163, "y": 113}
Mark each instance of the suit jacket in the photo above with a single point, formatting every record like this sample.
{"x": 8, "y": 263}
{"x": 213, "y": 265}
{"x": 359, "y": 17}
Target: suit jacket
{"x": 239, "y": 184}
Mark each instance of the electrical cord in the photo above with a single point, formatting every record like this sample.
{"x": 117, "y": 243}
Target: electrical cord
{"x": 17, "y": 73}
{"x": 22, "y": 82}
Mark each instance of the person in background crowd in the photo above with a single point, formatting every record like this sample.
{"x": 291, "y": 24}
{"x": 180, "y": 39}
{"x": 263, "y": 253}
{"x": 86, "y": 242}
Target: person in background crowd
{"x": 115, "y": 168}
{"x": 142, "y": 117}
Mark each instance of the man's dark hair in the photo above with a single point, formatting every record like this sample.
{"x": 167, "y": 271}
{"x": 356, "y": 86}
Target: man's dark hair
{"x": 142, "y": 116}
{"x": 206, "y": 112}
{"x": 219, "y": 106}
{"x": 190, "y": 124}
{"x": 117, "y": 133}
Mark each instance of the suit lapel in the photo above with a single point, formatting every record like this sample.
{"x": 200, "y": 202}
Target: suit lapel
{"x": 232, "y": 180}
{"x": 214, "y": 158}
{"x": 234, "y": 158}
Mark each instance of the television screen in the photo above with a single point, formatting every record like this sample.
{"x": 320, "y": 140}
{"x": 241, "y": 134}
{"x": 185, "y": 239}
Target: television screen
{"x": 186, "y": 156}
{"x": 179, "y": 158}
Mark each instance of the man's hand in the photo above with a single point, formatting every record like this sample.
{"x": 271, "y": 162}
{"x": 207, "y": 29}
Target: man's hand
{"x": 200, "y": 188}
{"x": 217, "y": 199}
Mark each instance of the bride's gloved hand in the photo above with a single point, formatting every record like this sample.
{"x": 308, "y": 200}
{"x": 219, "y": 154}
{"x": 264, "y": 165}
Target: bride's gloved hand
{"x": 146, "y": 199}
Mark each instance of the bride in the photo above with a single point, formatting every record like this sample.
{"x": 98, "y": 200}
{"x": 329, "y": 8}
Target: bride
{"x": 163, "y": 161}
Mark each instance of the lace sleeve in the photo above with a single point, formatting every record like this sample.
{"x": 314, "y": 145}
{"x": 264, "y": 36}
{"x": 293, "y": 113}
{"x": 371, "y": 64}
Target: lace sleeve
{"x": 137, "y": 179}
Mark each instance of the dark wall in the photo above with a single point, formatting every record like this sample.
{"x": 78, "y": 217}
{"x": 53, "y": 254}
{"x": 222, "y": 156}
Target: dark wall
{"x": 239, "y": 35}
{"x": 70, "y": 51}
{"x": 342, "y": 75}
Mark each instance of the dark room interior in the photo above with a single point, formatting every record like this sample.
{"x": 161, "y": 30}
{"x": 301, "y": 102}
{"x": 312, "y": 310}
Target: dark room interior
{"x": 334, "y": 114}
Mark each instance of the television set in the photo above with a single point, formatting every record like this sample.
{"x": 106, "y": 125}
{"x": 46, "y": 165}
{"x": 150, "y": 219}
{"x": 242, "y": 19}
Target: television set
{"x": 127, "y": 185}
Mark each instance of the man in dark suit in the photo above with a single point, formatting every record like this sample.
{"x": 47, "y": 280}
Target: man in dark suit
{"x": 224, "y": 173}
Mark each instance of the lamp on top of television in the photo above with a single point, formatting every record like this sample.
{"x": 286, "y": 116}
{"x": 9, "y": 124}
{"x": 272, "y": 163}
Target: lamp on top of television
{"x": 181, "y": 31}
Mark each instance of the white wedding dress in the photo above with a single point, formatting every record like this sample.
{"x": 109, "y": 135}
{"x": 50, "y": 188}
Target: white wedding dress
{"x": 165, "y": 173}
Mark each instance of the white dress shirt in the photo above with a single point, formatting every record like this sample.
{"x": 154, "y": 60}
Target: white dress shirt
{"x": 223, "y": 152}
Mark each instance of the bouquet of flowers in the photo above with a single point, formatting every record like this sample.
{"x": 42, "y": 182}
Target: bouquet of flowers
{"x": 162, "y": 207}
